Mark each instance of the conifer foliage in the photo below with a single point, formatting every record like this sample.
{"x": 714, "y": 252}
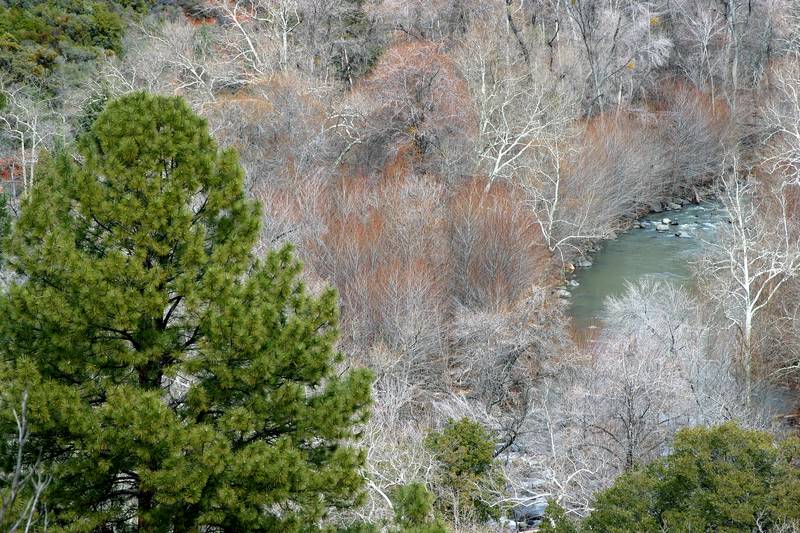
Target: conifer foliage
{"x": 175, "y": 381}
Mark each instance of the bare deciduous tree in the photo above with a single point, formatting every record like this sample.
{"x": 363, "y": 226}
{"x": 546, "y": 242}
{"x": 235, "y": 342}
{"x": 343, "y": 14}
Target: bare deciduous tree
{"x": 699, "y": 35}
{"x": 518, "y": 113}
{"x": 21, "y": 488}
{"x": 30, "y": 123}
{"x": 618, "y": 402}
{"x": 782, "y": 117}
{"x": 755, "y": 255}
{"x": 616, "y": 36}
{"x": 179, "y": 57}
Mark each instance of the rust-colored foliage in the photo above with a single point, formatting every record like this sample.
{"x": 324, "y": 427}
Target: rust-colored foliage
{"x": 402, "y": 254}
{"x": 694, "y": 128}
{"x": 626, "y": 161}
{"x": 680, "y": 95}
{"x": 406, "y": 158}
{"x": 395, "y": 248}
{"x": 619, "y": 167}
{"x": 382, "y": 248}
{"x": 418, "y": 102}
{"x": 496, "y": 245}
{"x": 200, "y": 21}
{"x": 10, "y": 169}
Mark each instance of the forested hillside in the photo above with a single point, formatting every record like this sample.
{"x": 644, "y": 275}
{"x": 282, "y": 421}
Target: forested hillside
{"x": 297, "y": 265}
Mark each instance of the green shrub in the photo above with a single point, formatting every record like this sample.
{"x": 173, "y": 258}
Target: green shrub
{"x": 413, "y": 510}
{"x": 467, "y": 475}
{"x": 723, "y": 478}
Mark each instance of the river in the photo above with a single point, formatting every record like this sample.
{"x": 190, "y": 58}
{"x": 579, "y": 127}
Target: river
{"x": 647, "y": 253}
{"x": 644, "y": 253}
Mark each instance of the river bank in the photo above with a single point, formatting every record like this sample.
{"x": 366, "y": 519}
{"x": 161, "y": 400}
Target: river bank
{"x": 661, "y": 245}
{"x": 649, "y": 251}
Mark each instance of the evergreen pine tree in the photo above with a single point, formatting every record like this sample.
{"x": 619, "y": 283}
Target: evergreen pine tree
{"x": 174, "y": 380}
{"x": 723, "y": 478}
{"x": 413, "y": 510}
{"x": 356, "y": 47}
{"x": 555, "y": 520}
{"x": 464, "y": 450}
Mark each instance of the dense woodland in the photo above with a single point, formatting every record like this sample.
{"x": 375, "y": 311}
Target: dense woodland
{"x": 295, "y": 265}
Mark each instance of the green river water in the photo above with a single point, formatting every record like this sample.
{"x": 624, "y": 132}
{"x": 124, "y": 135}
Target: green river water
{"x": 642, "y": 253}
{"x": 646, "y": 253}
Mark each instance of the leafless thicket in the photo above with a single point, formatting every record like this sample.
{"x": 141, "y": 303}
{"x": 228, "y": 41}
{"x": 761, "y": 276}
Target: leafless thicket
{"x": 618, "y": 403}
{"x": 30, "y": 125}
{"x": 782, "y": 117}
{"x": 22, "y": 487}
{"x": 756, "y": 255}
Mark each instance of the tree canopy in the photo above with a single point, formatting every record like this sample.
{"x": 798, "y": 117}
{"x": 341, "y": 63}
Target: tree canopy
{"x": 413, "y": 510}
{"x": 465, "y": 452}
{"x": 38, "y": 36}
{"x": 722, "y": 478}
{"x": 174, "y": 380}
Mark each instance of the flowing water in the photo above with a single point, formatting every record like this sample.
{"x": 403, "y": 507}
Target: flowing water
{"x": 644, "y": 253}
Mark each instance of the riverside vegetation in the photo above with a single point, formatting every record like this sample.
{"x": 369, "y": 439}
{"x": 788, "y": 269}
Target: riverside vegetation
{"x": 330, "y": 265}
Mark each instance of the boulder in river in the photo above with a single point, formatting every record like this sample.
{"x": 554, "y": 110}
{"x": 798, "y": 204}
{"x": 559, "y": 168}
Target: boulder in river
{"x": 673, "y": 206}
{"x": 665, "y": 221}
{"x": 673, "y": 222}
{"x": 684, "y": 235}
{"x": 531, "y": 514}
{"x": 573, "y": 283}
{"x": 583, "y": 262}
{"x": 563, "y": 293}
{"x": 662, "y": 227}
